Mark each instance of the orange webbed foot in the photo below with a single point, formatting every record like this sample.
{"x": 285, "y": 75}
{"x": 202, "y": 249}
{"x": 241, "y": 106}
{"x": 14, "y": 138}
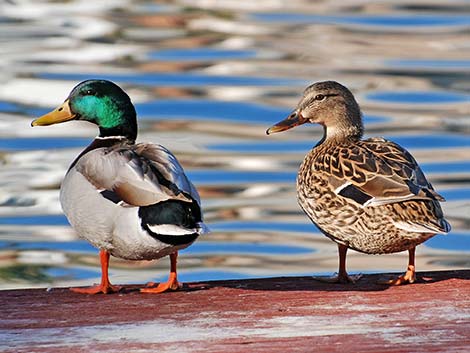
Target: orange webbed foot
{"x": 171, "y": 285}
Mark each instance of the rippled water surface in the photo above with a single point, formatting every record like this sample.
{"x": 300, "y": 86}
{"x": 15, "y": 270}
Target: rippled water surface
{"x": 208, "y": 78}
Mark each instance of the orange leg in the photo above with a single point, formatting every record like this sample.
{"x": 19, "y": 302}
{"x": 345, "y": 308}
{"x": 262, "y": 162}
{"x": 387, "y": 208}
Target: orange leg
{"x": 171, "y": 284}
{"x": 105, "y": 287}
{"x": 342, "y": 276}
{"x": 410, "y": 274}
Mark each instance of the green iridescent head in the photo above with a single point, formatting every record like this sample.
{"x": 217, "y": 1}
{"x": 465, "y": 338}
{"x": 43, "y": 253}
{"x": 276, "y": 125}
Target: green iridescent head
{"x": 100, "y": 102}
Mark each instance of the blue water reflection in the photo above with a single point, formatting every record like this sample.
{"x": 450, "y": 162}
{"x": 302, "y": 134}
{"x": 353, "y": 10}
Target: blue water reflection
{"x": 74, "y": 246}
{"x": 419, "y": 64}
{"x": 447, "y": 167}
{"x": 8, "y": 107}
{"x": 230, "y": 177}
{"x": 456, "y": 194}
{"x": 41, "y": 143}
{"x": 390, "y": 22}
{"x": 212, "y": 247}
{"x": 43, "y": 220}
{"x": 453, "y": 242}
{"x": 287, "y": 227}
{"x": 205, "y": 109}
{"x": 416, "y": 97}
{"x": 202, "y": 53}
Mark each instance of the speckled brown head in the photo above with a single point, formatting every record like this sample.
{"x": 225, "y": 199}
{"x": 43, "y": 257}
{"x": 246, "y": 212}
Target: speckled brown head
{"x": 329, "y": 104}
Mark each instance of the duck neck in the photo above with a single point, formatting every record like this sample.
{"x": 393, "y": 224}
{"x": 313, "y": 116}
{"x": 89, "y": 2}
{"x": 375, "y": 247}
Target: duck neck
{"x": 346, "y": 128}
{"x": 127, "y": 132}
{"x": 353, "y": 133}
{"x": 121, "y": 121}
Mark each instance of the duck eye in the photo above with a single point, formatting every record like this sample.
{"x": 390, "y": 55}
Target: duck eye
{"x": 320, "y": 97}
{"x": 89, "y": 92}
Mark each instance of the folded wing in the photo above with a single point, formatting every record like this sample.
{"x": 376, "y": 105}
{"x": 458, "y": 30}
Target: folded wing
{"x": 139, "y": 175}
{"x": 377, "y": 172}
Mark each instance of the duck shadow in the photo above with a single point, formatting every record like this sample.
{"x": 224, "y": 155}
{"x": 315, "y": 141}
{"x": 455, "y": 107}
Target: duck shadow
{"x": 367, "y": 283}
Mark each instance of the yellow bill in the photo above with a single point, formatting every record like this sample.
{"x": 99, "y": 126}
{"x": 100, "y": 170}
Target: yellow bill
{"x": 58, "y": 115}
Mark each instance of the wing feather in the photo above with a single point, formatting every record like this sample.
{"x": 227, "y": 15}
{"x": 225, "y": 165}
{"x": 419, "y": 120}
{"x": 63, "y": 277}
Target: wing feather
{"x": 141, "y": 175}
{"x": 381, "y": 171}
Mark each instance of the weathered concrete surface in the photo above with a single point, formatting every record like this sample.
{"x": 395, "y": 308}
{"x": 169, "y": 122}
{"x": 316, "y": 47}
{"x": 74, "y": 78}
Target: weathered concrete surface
{"x": 264, "y": 315}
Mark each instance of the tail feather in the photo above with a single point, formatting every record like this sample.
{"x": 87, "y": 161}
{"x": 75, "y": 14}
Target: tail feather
{"x": 172, "y": 222}
{"x": 439, "y": 226}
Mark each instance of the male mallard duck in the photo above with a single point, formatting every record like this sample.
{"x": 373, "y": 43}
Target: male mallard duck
{"x": 129, "y": 200}
{"x": 367, "y": 195}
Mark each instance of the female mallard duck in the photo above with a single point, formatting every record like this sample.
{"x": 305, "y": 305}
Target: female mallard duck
{"x": 129, "y": 200}
{"x": 367, "y": 195}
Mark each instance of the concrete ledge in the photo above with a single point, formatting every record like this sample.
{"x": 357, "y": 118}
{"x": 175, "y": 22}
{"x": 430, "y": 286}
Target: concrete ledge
{"x": 295, "y": 314}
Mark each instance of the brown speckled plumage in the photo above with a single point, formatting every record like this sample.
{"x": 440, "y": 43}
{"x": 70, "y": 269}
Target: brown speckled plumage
{"x": 368, "y": 195}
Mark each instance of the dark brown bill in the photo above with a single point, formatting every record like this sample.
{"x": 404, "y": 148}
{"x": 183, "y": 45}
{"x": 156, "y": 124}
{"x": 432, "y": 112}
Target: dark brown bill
{"x": 291, "y": 121}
